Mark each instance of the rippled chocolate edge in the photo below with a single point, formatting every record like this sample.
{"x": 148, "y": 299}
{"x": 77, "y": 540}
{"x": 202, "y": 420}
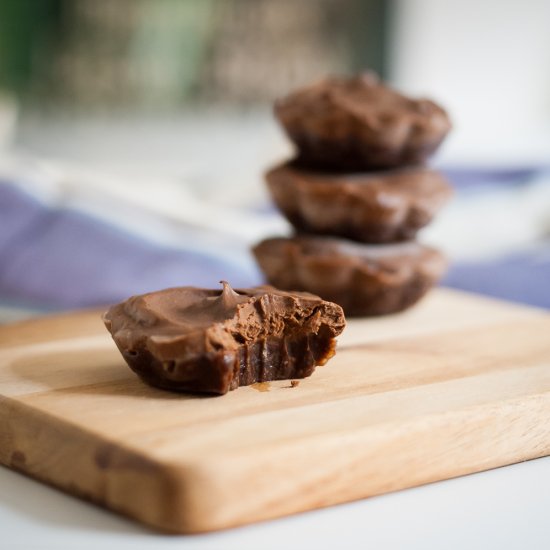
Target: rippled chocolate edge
{"x": 334, "y": 128}
{"x": 366, "y": 280}
{"x": 373, "y": 207}
{"x": 268, "y": 335}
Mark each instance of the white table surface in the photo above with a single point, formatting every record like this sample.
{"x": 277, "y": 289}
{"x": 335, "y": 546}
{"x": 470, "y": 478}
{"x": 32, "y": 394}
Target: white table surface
{"x": 506, "y": 508}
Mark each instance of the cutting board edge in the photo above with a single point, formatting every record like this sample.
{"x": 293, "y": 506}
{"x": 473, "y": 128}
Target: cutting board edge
{"x": 195, "y": 498}
{"x": 100, "y": 470}
{"x": 489, "y": 417}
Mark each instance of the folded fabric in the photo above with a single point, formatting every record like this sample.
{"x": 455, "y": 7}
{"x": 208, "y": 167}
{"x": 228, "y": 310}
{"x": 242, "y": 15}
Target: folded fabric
{"x": 522, "y": 277}
{"x": 60, "y": 258}
{"x": 67, "y": 242}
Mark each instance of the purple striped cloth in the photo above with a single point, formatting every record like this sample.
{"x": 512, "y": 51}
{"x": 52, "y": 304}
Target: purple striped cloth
{"x": 55, "y": 258}
{"x": 61, "y": 259}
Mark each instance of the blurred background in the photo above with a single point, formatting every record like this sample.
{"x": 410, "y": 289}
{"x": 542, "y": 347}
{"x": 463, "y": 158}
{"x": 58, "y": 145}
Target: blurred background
{"x": 134, "y": 135}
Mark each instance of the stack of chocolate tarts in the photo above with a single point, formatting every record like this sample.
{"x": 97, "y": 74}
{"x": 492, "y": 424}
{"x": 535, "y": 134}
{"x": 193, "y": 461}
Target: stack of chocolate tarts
{"x": 357, "y": 194}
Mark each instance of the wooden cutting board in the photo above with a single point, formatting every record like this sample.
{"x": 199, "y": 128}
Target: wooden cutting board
{"x": 456, "y": 385}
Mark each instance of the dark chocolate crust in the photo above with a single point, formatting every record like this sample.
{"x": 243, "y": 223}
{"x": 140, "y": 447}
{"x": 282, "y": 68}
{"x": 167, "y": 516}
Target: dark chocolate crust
{"x": 212, "y": 341}
{"x": 370, "y": 207}
{"x": 358, "y": 123}
{"x": 364, "y": 279}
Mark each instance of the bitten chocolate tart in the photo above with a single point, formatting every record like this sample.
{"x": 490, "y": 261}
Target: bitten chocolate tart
{"x": 363, "y": 279}
{"x": 358, "y": 123}
{"x": 212, "y": 341}
{"x": 370, "y": 207}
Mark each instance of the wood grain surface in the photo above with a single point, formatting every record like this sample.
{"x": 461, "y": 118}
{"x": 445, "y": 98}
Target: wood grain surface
{"x": 456, "y": 385}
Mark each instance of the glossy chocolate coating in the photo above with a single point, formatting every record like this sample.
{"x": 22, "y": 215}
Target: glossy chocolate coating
{"x": 358, "y": 123}
{"x": 364, "y": 279}
{"x": 198, "y": 340}
{"x": 370, "y": 207}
